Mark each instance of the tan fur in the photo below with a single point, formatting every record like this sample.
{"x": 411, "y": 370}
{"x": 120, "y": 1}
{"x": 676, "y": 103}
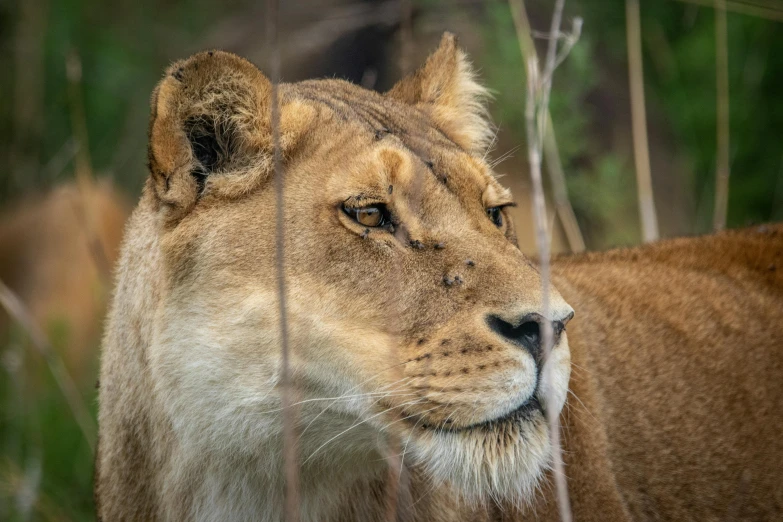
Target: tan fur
{"x": 392, "y": 349}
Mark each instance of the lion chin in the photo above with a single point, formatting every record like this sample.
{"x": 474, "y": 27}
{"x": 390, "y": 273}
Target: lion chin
{"x": 501, "y": 459}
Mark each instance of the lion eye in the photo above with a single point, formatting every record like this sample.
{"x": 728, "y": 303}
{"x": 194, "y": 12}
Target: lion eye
{"x": 372, "y": 216}
{"x": 369, "y": 217}
{"x": 495, "y": 215}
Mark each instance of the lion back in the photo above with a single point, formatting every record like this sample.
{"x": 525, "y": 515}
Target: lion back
{"x": 678, "y": 361}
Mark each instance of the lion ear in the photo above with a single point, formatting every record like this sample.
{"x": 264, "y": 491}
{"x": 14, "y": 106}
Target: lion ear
{"x": 210, "y": 129}
{"x": 446, "y": 87}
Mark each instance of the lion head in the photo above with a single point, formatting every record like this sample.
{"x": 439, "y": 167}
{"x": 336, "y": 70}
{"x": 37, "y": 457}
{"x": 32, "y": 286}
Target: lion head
{"x": 412, "y": 319}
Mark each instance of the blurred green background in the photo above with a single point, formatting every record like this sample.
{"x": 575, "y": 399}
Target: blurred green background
{"x": 75, "y": 96}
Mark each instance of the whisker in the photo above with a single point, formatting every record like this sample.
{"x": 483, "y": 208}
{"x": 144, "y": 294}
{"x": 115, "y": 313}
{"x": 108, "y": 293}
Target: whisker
{"x": 334, "y": 399}
{"x": 386, "y": 426}
{"x": 504, "y": 157}
{"x": 405, "y": 449}
{"x": 389, "y": 394}
{"x": 429, "y": 492}
{"x": 582, "y": 368}
{"x": 339, "y": 397}
{"x": 344, "y": 397}
{"x": 492, "y": 143}
{"x": 414, "y": 414}
{"x": 583, "y": 406}
{"x": 355, "y": 425}
{"x": 405, "y": 379}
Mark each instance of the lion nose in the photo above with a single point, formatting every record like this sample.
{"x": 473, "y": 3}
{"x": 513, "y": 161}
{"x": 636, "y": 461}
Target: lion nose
{"x": 526, "y": 331}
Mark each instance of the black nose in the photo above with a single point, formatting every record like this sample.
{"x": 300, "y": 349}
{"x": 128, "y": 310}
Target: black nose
{"x": 525, "y": 332}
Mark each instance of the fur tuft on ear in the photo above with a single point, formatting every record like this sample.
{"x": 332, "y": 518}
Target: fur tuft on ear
{"x": 210, "y": 115}
{"x": 210, "y": 130}
{"x": 446, "y": 87}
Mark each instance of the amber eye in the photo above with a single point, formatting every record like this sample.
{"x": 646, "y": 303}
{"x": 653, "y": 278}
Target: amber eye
{"x": 369, "y": 217}
{"x": 495, "y": 215}
{"x": 372, "y": 216}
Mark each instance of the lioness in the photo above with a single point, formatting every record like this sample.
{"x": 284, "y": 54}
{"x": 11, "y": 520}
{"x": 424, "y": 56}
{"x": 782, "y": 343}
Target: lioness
{"x": 414, "y": 326}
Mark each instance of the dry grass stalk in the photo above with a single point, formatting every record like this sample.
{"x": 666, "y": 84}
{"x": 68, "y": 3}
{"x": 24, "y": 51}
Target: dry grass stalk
{"x": 722, "y": 109}
{"x": 639, "y": 122}
{"x": 85, "y": 181}
{"x": 16, "y": 309}
{"x": 394, "y": 452}
{"x": 539, "y": 85}
{"x": 565, "y": 211}
{"x": 290, "y": 454}
{"x": 73, "y": 73}
{"x": 394, "y": 460}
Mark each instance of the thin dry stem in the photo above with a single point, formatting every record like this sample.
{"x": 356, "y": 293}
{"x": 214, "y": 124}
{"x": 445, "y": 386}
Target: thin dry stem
{"x": 565, "y": 210}
{"x": 639, "y": 123}
{"x": 394, "y": 460}
{"x": 722, "y": 85}
{"x": 290, "y": 460}
{"x": 551, "y": 56}
{"x": 536, "y": 104}
{"x": 73, "y": 70}
{"x": 19, "y": 313}
{"x": 85, "y": 182}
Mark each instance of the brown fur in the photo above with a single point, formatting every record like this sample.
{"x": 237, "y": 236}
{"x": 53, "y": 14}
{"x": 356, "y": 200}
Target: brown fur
{"x": 665, "y": 420}
{"x": 676, "y": 381}
{"x": 60, "y": 266}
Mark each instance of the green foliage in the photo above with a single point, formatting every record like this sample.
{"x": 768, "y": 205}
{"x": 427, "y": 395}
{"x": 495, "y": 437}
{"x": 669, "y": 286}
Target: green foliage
{"x": 123, "y": 47}
{"x": 683, "y": 84}
{"x": 601, "y": 207}
{"x": 679, "y": 54}
{"x": 45, "y": 462}
{"x": 601, "y": 188}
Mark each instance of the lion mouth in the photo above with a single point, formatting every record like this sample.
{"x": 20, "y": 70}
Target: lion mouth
{"x": 526, "y": 411}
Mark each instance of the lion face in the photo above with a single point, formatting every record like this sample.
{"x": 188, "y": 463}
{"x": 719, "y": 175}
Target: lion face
{"x": 413, "y": 321}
